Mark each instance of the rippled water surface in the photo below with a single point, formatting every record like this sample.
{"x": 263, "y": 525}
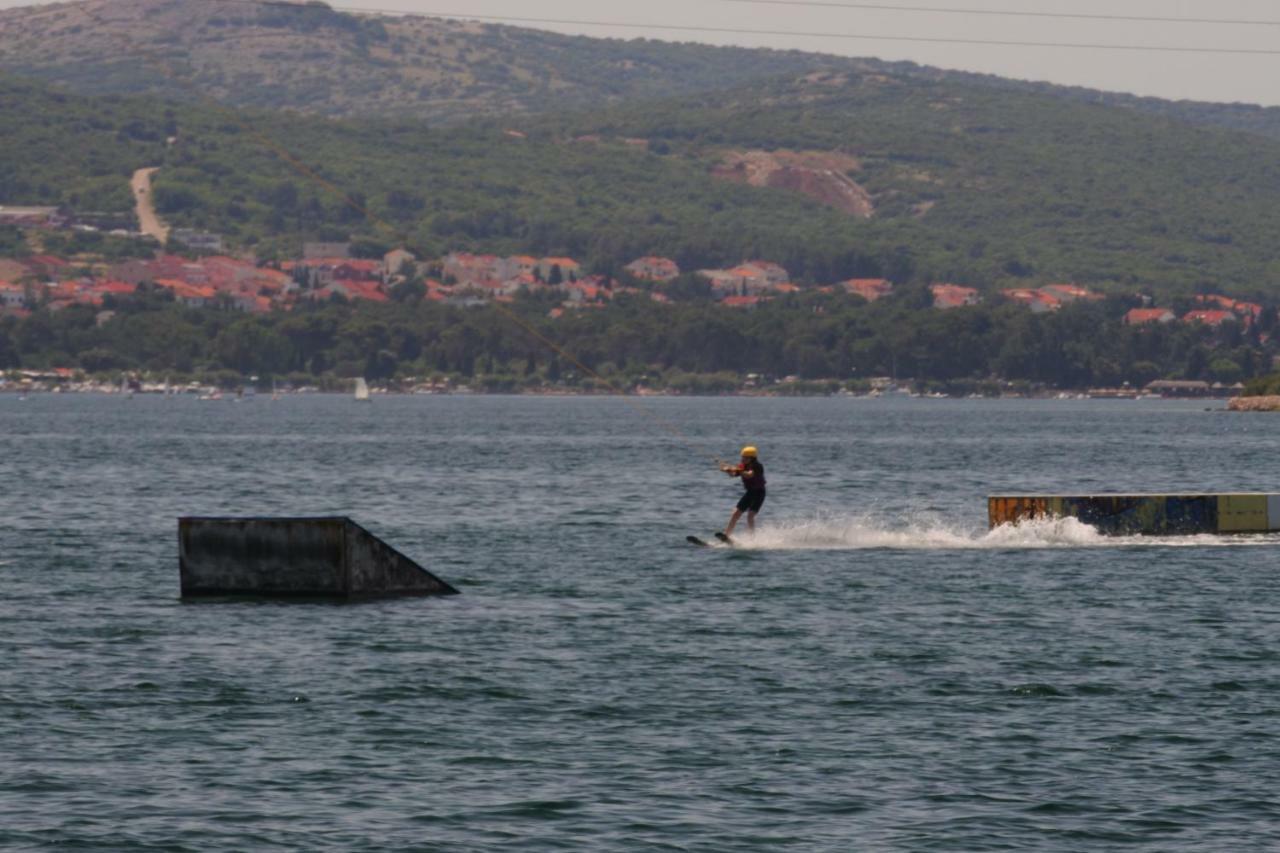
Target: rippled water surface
{"x": 875, "y": 671}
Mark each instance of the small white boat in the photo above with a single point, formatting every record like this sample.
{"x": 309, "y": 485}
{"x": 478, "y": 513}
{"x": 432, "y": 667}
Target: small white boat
{"x": 362, "y": 391}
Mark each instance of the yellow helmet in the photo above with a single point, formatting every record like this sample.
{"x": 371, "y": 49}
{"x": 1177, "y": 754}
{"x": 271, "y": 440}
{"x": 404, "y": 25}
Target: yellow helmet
{"x": 750, "y": 452}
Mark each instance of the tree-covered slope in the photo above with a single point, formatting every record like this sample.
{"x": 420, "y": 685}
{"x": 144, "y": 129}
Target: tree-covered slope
{"x": 1252, "y": 118}
{"x": 969, "y": 185}
{"x": 995, "y": 184}
{"x": 69, "y": 150}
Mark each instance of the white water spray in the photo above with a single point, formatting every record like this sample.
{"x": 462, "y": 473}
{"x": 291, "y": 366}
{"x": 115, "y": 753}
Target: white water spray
{"x": 867, "y": 532}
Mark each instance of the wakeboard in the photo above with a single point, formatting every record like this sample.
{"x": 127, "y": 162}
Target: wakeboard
{"x": 694, "y": 540}
{"x": 723, "y": 538}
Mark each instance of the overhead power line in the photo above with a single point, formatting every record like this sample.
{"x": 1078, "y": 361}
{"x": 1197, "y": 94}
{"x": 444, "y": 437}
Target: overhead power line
{"x": 691, "y": 28}
{"x": 870, "y": 37}
{"x": 1077, "y": 16}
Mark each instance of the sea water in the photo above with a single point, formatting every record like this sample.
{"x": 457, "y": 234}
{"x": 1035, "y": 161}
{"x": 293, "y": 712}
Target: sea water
{"x": 874, "y": 670}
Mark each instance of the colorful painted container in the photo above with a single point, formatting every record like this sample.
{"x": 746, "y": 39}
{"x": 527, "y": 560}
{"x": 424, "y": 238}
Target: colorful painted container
{"x": 1152, "y": 515}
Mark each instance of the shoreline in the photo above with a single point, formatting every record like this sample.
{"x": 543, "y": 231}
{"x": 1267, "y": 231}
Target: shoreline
{"x": 212, "y": 393}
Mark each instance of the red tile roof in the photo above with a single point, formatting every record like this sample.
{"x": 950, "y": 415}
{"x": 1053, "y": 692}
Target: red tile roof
{"x": 876, "y": 285}
{"x": 1138, "y": 316}
{"x": 1212, "y": 317}
{"x": 1070, "y": 292}
{"x": 184, "y": 291}
{"x": 356, "y": 289}
{"x": 1226, "y": 302}
{"x": 1028, "y": 297}
{"x": 588, "y": 291}
{"x": 117, "y": 287}
{"x": 952, "y": 295}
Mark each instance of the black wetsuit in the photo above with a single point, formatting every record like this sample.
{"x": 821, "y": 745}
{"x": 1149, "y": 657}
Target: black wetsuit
{"x": 753, "y": 481}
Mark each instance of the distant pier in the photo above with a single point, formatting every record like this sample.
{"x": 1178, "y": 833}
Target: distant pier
{"x": 331, "y": 557}
{"x": 1150, "y": 515}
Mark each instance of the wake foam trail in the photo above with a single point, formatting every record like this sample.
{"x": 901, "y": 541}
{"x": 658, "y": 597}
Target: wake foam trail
{"x": 865, "y": 533}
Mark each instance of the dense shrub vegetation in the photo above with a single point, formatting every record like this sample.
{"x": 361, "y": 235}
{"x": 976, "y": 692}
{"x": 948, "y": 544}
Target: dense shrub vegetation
{"x": 973, "y": 186}
{"x": 813, "y": 337}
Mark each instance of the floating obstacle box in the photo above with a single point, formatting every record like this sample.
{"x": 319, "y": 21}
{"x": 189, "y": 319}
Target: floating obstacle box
{"x": 1150, "y": 515}
{"x": 295, "y": 557}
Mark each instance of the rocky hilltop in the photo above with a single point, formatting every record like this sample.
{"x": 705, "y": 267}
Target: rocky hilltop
{"x": 312, "y": 58}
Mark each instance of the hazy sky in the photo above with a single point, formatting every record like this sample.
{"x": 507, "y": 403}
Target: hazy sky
{"x": 1200, "y": 76}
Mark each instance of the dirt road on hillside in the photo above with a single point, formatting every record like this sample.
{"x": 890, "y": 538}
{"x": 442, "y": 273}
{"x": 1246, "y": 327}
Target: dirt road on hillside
{"x": 147, "y": 219}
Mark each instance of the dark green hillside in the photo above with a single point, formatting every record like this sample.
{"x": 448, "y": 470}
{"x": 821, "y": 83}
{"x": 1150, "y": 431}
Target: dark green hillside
{"x": 482, "y": 190}
{"x": 475, "y": 189}
{"x": 970, "y": 185}
{"x": 1019, "y": 185}
{"x": 1017, "y": 188}
{"x": 1229, "y": 116}
{"x": 479, "y": 188}
{"x": 62, "y": 149}
{"x": 435, "y": 190}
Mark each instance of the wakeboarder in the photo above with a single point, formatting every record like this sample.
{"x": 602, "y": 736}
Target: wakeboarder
{"x": 752, "y": 473}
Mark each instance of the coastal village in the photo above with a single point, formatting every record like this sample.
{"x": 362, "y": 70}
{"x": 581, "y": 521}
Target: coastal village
{"x": 205, "y": 275}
